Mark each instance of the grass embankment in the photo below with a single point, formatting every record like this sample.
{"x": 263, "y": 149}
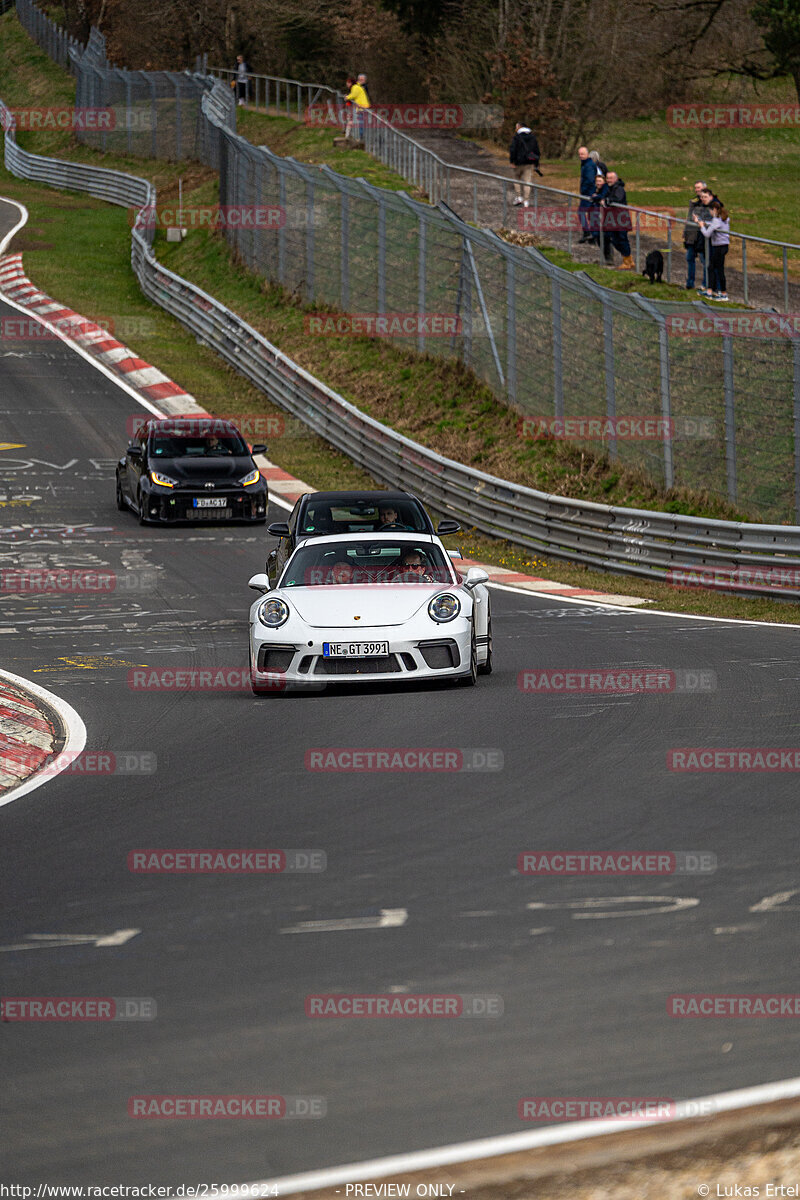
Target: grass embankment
{"x": 429, "y": 399}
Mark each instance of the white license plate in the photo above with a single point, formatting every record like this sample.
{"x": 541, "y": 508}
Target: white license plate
{"x": 209, "y": 502}
{"x": 354, "y": 649}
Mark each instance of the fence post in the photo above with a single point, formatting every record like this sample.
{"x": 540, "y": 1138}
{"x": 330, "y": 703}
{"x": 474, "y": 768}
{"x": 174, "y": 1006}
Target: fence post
{"x": 730, "y": 414}
{"x": 310, "y": 283}
{"x": 422, "y": 239}
{"x": 796, "y": 412}
{"x": 381, "y": 255}
{"x": 511, "y": 329}
{"x": 153, "y": 115}
{"x": 608, "y": 354}
{"x": 178, "y": 107}
{"x": 666, "y": 394}
{"x": 282, "y": 229}
{"x": 129, "y": 109}
{"x": 345, "y": 255}
{"x": 558, "y": 363}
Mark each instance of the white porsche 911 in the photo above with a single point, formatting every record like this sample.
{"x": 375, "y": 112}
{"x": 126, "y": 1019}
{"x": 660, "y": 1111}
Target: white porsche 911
{"x": 352, "y": 608}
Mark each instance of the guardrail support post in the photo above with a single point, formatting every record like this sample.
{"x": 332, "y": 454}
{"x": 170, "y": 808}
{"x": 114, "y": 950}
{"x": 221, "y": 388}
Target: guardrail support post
{"x": 558, "y": 363}
{"x": 730, "y": 415}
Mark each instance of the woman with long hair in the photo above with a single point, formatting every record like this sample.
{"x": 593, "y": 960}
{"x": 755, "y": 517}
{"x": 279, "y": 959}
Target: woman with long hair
{"x": 718, "y": 230}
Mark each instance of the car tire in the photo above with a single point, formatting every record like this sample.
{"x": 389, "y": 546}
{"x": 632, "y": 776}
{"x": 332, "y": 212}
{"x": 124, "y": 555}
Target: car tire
{"x": 486, "y": 667}
{"x": 121, "y": 504}
{"x": 140, "y": 502}
{"x": 471, "y": 679}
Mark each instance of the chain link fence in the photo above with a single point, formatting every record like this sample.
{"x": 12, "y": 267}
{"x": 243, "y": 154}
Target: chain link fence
{"x": 666, "y": 388}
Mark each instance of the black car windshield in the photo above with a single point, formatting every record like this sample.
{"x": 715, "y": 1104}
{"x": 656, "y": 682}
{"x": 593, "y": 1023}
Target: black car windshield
{"x": 402, "y": 515}
{"x": 198, "y": 447}
{"x": 337, "y": 563}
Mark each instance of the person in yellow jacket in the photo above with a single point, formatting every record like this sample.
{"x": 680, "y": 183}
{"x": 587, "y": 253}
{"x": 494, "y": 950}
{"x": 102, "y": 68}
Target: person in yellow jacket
{"x": 358, "y": 96}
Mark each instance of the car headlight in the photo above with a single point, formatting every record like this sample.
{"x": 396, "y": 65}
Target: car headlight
{"x": 251, "y": 477}
{"x": 273, "y": 613}
{"x": 163, "y": 480}
{"x": 444, "y": 607}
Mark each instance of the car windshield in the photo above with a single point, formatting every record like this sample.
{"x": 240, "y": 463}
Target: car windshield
{"x": 362, "y": 517}
{"x": 212, "y": 446}
{"x": 366, "y": 562}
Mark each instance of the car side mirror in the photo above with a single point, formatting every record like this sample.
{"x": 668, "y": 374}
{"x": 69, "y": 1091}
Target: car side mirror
{"x": 259, "y": 583}
{"x": 258, "y": 449}
{"x": 448, "y": 526}
{"x": 475, "y": 575}
{"x": 134, "y": 451}
{"x": 278, "y": 529}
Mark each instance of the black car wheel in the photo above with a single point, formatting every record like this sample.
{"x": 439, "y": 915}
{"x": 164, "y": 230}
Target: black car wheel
{"x": 121, "y": 505}
{"x": 141, "y": 502}
{"x": 486, "y": 668}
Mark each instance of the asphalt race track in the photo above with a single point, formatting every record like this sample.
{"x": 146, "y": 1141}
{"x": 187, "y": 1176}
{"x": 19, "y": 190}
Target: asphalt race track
{"x": 584, "y": 999}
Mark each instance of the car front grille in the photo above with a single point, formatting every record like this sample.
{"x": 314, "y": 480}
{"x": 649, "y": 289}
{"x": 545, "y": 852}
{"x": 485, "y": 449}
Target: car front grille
{"x": 384, "y": 665}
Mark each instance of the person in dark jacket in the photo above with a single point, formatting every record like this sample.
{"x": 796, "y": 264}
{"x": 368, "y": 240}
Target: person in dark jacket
{"x": 523, "y": 154}
{"x": 597, "y": 211}
{"x": 616, "y": 221}
{"x": 694, "y": 244}
{"x": 588, "y": 176}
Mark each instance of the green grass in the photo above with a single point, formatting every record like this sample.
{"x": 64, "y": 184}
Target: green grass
{"x": 289, "y": 138}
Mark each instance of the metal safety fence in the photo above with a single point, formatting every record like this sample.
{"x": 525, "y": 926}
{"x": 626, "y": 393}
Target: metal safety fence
{"x": 751, "y": 558}
{"x": 665, "y": 388}
{"x": 486, "y": 198}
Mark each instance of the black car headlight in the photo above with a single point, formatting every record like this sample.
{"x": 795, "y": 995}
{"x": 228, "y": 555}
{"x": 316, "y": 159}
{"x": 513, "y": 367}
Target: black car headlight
{"x": 272, "y": 612}
{"x": 444, "y": 607}
{"x": 163, "y": 480}
{"x": 250, "y": 477}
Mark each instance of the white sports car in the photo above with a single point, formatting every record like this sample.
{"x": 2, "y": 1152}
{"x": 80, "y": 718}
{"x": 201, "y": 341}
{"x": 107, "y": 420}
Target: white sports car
{"x": 355, "y": 608}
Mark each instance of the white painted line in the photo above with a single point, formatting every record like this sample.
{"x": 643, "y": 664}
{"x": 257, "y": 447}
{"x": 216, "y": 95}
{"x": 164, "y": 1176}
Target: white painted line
{"x": 509, "y": 587}
{"x": 22, "y": 221}
{"x": 75, "y": 736}
{"x": 388, "y": 918}
{"x": 513, "y": 1143}
{"x": 54, "y": 941}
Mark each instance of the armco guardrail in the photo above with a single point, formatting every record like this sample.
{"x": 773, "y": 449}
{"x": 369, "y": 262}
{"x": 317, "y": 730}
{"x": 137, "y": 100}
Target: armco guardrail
{"x": 760, "y": 559}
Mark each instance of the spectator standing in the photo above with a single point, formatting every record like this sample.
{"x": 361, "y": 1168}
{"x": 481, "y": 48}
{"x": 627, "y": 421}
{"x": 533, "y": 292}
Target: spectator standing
{"x": 358, "y": 97}
{"x": 242, "y": 79}
{"x": 693, "y": 241}
{"x": 718, "y": 232}
{"x": 594, "y": 155}
{"x": 588, "y": 176}
{"x": 617, "y": 221}
{"x": 348, "y": 107}
{"x": 596, "y": 214}
{"x": 523, "y": 154}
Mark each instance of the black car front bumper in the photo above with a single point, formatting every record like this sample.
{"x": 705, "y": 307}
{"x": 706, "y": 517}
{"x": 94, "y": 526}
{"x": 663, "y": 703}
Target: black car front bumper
{"x": 178, "y": 504}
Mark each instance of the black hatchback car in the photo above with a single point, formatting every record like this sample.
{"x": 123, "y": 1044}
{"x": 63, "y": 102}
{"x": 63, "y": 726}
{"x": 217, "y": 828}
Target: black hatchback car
{"x": 319, "y": 513}
{"x": 191, "y": 469}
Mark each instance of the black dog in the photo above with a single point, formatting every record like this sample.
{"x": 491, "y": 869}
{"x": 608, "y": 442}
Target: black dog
{"x": 654, "y": 266}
